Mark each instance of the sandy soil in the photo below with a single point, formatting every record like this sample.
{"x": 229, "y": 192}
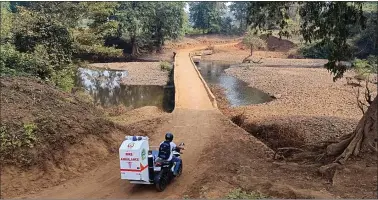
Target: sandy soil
{"x": 139, "y": 73}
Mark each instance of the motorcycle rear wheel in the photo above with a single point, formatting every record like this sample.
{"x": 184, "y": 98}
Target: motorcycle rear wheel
{"x": 162, "y": 184}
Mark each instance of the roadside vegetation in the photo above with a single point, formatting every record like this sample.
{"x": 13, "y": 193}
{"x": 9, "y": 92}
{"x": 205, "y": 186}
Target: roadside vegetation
{"x": 48, "y": 39}
{"x": 166, "y": 66}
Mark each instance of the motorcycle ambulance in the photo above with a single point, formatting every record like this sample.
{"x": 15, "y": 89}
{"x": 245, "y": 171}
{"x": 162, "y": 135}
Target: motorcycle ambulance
{"x": 140, "y": 165}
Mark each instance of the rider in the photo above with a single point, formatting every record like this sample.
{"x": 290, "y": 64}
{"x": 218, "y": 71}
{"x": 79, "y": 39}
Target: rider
{"x": 166, "y": 151}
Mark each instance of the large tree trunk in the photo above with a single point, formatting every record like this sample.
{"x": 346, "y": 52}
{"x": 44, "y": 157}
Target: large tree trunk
{"x": 134, "y": 47}
{"x": 363, "y": 139}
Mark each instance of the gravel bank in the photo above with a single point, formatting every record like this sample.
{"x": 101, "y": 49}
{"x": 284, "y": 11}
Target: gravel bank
{"x": 139, "y": 73}
{"x": 310, "y": 102}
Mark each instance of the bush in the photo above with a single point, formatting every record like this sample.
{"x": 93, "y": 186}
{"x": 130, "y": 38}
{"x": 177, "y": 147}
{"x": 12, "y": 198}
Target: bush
{"x": 365, "y": 67}
{"x": 99, "y": 51}
{"x": 20, "y": 141}
{"x": 38, "y": 63}
{"x": 166, "y": 66}
{"x": 315, "y": 50}
{"x": 29, "y": 137}
{"x": 64, "y": 79}
{"x": 239, "y": 194}
{"x": 13, "y": 62}
{"x": 253, "y": 41}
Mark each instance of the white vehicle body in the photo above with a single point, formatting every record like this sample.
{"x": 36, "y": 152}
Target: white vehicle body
{"x": 137, "y": 162}
{"x": 133, "y": 159}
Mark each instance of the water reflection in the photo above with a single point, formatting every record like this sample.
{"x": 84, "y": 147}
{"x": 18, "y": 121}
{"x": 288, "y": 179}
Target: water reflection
{"x": 237, "y": 92}
{"x": 105, "y": 88}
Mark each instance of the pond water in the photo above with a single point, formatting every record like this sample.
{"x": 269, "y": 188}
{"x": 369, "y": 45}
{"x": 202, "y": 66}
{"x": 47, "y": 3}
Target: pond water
{"x": 237, "y": 92}
{"x": 105, "y": 88}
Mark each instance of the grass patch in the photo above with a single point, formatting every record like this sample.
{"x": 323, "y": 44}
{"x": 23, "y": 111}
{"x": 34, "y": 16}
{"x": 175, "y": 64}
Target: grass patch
{"x": 165, "y": 66}
{"x": 240, "y": 194}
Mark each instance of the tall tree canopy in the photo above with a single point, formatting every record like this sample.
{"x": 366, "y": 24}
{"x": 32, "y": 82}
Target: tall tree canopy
{"x": 207, "y": 15}
{"x": 331, "y": 23}
{"x": 6, "y": 22}
{"x": 169, "y": 21}
{"x": 149, "y": 24}
{"x": 240, "y": 10}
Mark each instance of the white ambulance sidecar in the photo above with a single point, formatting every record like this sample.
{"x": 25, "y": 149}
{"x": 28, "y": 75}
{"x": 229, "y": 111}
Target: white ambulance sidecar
{"x": 134, "y": 160}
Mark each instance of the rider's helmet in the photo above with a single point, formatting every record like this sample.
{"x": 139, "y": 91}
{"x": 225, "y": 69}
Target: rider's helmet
{"x": 169, "y": 137}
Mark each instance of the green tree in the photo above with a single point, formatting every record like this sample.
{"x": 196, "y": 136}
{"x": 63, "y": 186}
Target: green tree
{"x": 168, "y": 23}
{"x": 97, "y": 26}
{"x": 206, "y": 15}
{"x": 40, "y": 26}
{"x": 135, "y": 19}
{"x": 332, "y": 27}
{"x": 330, "y": 23}
{"x": 253, "y": 41}
{"x": 268, "y": 15}
{"x": 240, "y": 10}
{"x": 227, "y": 26}
{"x": 365, "y": 41}
{"x": 186, "y": 27}
{"x": 6, "y": 22}
{"x": 46, "y": 38}
{"x": 147, "y": 25}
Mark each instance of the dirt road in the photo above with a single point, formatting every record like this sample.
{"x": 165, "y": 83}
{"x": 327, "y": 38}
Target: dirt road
{"x": 194, "y": 121}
